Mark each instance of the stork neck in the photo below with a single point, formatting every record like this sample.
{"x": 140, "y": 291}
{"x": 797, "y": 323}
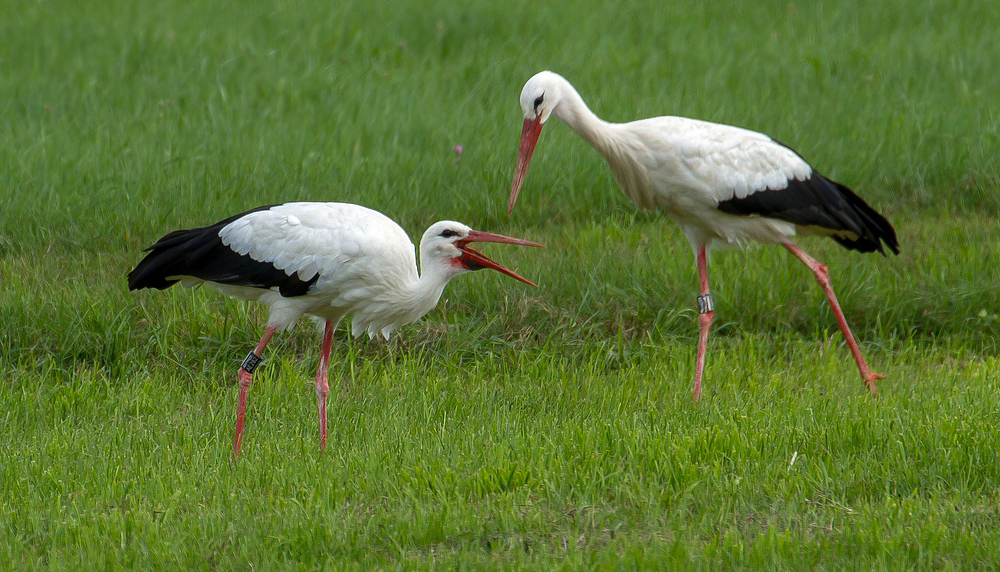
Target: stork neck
{"x": 572, "y": 111}
{"x": 424, "y": 294}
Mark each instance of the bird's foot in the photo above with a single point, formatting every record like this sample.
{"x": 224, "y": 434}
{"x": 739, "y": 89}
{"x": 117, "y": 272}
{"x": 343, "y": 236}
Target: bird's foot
{"x": 870, "y": 377}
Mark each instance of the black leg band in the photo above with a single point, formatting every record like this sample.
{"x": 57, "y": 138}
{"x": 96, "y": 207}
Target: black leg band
{"x": 705, "y": 304}
{"x": 251, "y": 362}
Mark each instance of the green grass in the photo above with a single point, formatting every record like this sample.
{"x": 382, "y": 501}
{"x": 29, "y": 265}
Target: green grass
{"x": 512, "y": 427}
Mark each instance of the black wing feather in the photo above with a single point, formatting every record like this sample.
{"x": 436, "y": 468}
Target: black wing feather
{"x": 818, "y": 201}
{"x": 200, "y": 253}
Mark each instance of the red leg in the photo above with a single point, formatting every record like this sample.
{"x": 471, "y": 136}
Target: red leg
{"x": 322, "y": 386}
{"x": 705, "y": 315}
{"x": 823, "y": 278}
{"x": 245, "y": 376}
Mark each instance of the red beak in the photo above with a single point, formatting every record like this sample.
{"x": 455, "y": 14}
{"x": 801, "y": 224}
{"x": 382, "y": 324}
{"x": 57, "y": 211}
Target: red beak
{"x": 473, "y": 260}
{"x": 529, "y": 136}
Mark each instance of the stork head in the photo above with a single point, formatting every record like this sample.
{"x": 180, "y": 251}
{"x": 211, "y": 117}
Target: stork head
{"x": 539, "y": 98}
{"x": 445, "y": 245}
{"x": 540, "y": 95}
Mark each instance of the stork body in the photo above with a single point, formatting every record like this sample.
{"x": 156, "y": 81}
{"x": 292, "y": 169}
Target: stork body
{"x": 327, "y": 260}
{"x": 719, "y": 183}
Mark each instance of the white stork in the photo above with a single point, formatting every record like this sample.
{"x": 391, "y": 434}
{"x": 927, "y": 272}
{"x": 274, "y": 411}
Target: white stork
{"x": 719, "y": 183}
{"x": 322, "y": 259}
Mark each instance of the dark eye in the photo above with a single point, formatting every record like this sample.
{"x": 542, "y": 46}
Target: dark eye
{"x": 448, "y": 233}
{"x": 538, "y": 101}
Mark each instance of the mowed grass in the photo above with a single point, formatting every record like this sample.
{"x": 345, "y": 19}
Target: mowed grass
{"x": 512, "y": 427}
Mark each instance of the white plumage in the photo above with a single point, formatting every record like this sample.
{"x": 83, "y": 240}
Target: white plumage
{"x": 327, "y": 260}
{"x": 364, "y": 260}
{"x": 718, "y": 182}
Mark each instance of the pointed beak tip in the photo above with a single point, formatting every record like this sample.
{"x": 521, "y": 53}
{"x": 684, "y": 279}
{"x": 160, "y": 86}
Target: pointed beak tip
{"x": 482, "y": 261}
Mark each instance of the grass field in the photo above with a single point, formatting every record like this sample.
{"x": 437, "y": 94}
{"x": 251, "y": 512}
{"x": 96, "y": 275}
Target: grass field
{"x": 511, "y": 427}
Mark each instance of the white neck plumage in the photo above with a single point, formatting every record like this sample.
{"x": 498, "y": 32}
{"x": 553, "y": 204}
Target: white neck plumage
{"x": 428, "y": 289}
{"x": 572, "y": 111}
{"x": 421, "y": 296}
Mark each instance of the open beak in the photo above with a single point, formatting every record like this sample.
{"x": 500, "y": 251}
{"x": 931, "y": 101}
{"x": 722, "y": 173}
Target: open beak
{"x": 529, "y": 136}
{"x": 473, "y": 260}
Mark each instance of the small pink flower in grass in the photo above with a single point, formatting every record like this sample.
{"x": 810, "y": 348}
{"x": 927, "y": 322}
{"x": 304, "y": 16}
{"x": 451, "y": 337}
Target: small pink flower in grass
{"x": 458, "y": 152}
